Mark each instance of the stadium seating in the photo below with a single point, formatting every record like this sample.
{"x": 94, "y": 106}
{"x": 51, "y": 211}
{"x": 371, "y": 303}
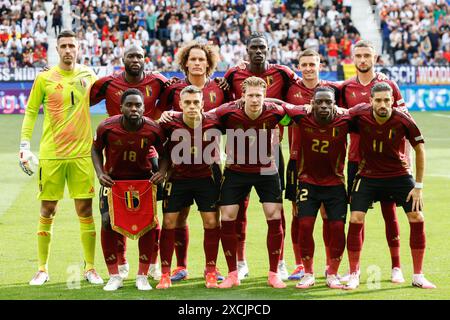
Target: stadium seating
{"x": 415, "y": 32}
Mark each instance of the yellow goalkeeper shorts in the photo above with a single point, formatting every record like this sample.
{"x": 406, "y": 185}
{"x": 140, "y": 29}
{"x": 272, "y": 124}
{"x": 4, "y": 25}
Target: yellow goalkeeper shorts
{"x": 53, "y": 174}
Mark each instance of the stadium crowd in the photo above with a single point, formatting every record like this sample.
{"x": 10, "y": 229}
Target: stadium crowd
{"x": 23, "y": 36}
{"x": 105, "y": 28}
{"x": 416, "y": 32}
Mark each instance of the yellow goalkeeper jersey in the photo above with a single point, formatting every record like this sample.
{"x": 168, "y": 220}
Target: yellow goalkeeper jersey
{"x": 67, "y": 123}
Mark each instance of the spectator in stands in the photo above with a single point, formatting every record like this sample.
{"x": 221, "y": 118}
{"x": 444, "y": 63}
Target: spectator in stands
{"x": 56, "y": 14}
{"x": 41, "y": 36}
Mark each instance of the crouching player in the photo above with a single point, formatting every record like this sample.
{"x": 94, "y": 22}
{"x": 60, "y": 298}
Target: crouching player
{"x": 126, "y": 140}
{"x": 193, "y": 155}
{"x": 321, "y": 179}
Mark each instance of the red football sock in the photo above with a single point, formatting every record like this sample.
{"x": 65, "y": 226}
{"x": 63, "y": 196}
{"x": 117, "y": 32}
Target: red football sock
{"x": 229, "y": 243}
{"x": 109, "y": 248}
{"x": 241, "y": 228}
{"x": 274, "y": 242}
{"x": 294, "y": 238}
{"x": 211, "y": 247}
{"x": 354, "y": 245}
{"x": 146, "y": 244}
{"x": 155, "y": 251}
{"x": 326, "y": 238}
{"x": 121, "y": 249}
{"x": 283, "y": 226}
{"x": 306, "y": 240}
{"x": 337, "y": 244}
{"x": 392, "y": 231}
{"x": 181, "y": 245}
{"x": 166, "y": 247}
{"x": 417, "y": 243}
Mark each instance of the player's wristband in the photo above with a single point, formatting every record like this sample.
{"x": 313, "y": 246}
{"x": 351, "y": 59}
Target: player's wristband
{"x": 418, "y": 185}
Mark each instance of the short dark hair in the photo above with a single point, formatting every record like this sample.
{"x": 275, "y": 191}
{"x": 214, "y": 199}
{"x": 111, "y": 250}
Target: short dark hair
{"x": 66, "y": 34}
{"x": 380, "y": 87}
{"x": 131, "y": 92}
{"x": 256, "y": 35}
{"x": 324, "y": 89}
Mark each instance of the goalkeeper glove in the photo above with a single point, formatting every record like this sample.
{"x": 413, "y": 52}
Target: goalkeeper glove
{"x": 27, "y": 160}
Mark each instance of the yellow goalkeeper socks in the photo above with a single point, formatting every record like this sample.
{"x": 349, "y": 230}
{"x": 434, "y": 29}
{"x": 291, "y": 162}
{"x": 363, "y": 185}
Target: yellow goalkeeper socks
{"x": 44, "y": 235}
{"x": 87, "y": 232}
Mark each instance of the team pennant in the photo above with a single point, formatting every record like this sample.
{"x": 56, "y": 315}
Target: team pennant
{"x": 132, "y": 207}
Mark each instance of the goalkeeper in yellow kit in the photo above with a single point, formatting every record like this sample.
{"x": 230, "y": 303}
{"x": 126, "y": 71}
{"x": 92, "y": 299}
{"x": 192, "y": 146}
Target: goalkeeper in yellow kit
{"x": 64, "y": 153}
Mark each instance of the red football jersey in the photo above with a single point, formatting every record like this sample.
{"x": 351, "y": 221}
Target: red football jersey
{"x": 278, "y": 78}
{"x": 113, "y": 86}
{"x": 252, "y": 145}
{"x": 213, "y": 96}
{"x": 299, "y": 94}
{"x": 383, "y": 146}
{"x": 322, "y": 148}
{"x": 126, "y": 152}
{"x": 203, "y": 147}
{"x": 354, "y": 93}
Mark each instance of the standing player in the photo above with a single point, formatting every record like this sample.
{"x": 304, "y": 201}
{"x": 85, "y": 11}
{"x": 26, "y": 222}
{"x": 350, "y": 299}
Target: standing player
{"x": 64, "y": 150}
{"x": 126, "y": 140}
{"x": 323, "y": 147}
{"x": 251, "y": 150}
{"x": 384, "y": 173}
{"x": 111, "y": 88}
{"x": 301, "y": 93}
{"x": 278, "y": 80}
{"x": 191, "y": 178}
{"x": 198, "y": 62}
{"x": 354, "y": 91}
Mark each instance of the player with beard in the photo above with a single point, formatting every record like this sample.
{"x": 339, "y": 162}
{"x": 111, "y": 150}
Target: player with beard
{"x": 278, "y": 79}
{"x": 355, "y": 91}
{"x": 126, "y": 161}
{"x": 110, "y": 89}
{"x": 384, "y": 173}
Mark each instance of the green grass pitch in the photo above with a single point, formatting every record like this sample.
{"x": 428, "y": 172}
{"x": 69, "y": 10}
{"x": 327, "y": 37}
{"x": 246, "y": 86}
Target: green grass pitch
{"x": 19, "y": 210}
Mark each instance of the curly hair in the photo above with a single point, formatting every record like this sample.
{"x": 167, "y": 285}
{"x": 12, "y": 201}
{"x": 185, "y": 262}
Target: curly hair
{"x": 211, "y": 51}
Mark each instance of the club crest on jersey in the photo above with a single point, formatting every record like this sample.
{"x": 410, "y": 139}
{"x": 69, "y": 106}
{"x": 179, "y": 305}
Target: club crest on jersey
{"x": 144, "y": 143}
{"x": 309, "y": 129}
{"x": 335, "y": 132}
{"x": 83, "y": 83}
{"x": 269, "y": 80}
{"x": 392, "y": 134}
{"x": 212, "y": 97}
{"x": 132, "y": 199}
{"x": 148, "y": 91}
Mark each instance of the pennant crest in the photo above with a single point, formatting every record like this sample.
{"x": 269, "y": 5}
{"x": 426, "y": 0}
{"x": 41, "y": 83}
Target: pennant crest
{"x": 132, "y": 199}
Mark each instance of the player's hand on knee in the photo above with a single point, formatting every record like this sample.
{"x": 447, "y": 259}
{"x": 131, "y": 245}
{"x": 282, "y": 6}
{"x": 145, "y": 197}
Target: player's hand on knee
{"x": 105, "y": 180}
{"x": 27, "y": 160}
{"x": 417, "y": 199}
